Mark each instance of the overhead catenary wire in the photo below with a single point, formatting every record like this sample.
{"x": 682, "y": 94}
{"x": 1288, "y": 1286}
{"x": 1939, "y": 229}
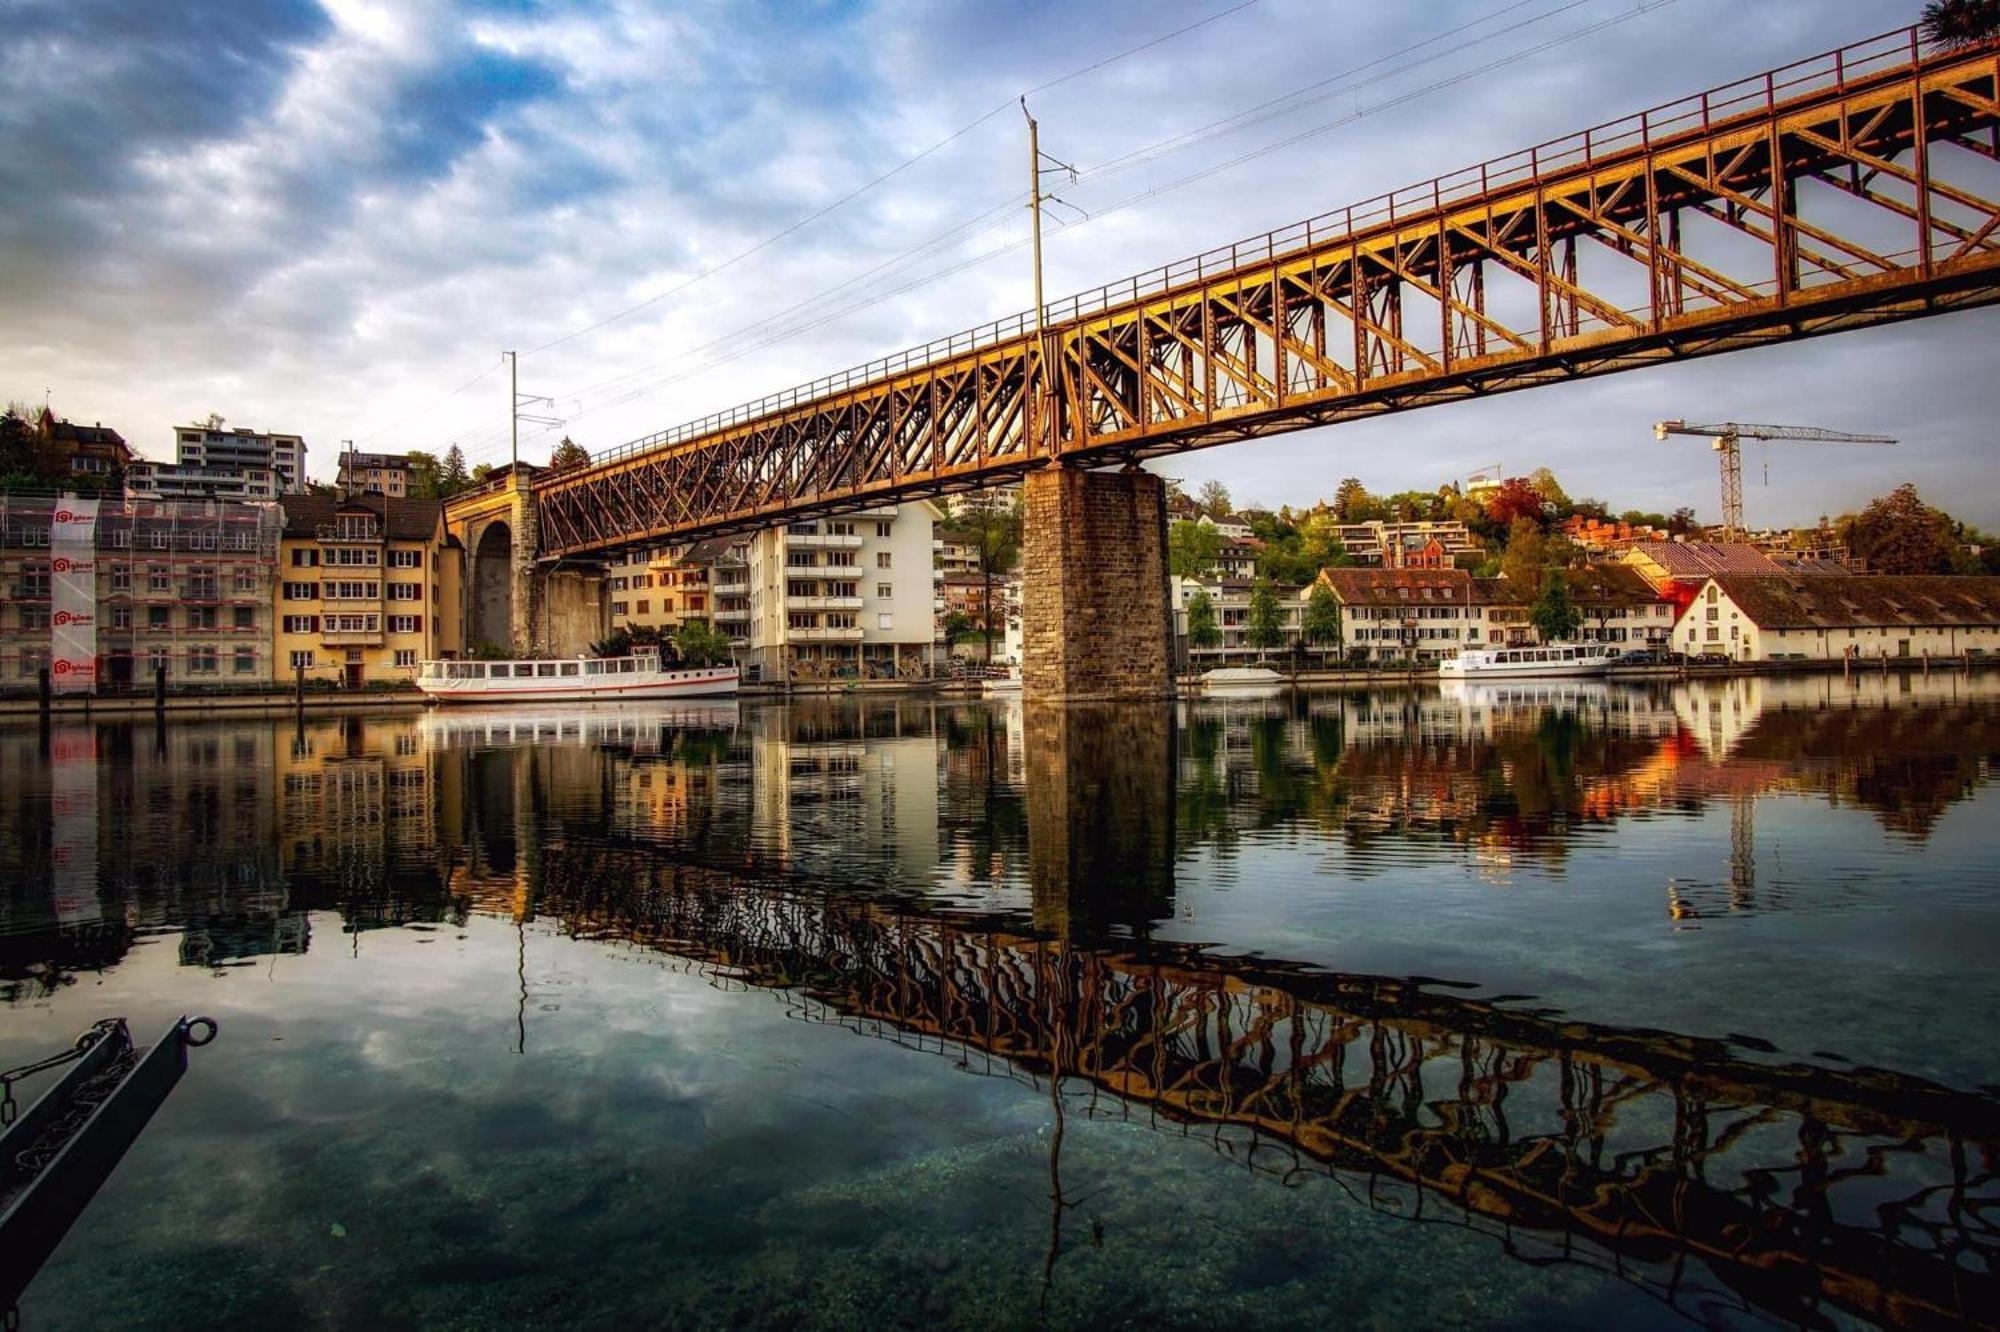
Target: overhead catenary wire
{"x": 781, "y": 334}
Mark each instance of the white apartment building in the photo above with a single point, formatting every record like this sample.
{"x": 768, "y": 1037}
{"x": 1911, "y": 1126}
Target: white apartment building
{"x": 373, "y": 473}
{"x": 182, "y": 481}
{"x": 1231, "y": 599}
{"x": 204, "y": 446}
{"x": 851, "y": 597}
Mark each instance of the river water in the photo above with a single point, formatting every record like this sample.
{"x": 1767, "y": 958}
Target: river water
{"x": 1537, "y": 1005}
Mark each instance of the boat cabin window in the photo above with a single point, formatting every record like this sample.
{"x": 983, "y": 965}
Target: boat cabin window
{"x": 593, "y": 668}
{"x": 569, "y": 668}
{"x": 545, "y": 668}
{"x": 625, "y": 665}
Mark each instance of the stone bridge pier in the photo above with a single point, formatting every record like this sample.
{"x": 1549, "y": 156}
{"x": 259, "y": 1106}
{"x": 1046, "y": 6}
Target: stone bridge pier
{"x": 1096, "y": 624}
{"x": 514, "y": 601}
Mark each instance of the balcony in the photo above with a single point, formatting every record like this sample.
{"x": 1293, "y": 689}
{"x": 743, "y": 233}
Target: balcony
{"x": 822, "y": 541}
{"x": 734, "y": 587}
{"x": 825, "y": 635}
{"x": 823, "y": 603}
{"x": 351, "y": 638}
{"x": 822, "y": 571}
{"x": 741, "y": 613}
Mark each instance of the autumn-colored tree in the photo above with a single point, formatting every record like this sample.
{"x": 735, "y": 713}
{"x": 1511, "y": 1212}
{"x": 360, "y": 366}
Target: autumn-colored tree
{"x": 1214, "y": 499}
{"x": 1900, "y": 534}
{"x": 1516, "y": 498}
{"x": 1527, "y": 554}
{"x": 1545, "y": 484}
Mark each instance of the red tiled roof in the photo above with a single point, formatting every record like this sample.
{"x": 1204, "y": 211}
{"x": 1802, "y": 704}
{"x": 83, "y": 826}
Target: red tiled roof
{"x": 1398, "y": 587}
{"x": 1702, "y": 559}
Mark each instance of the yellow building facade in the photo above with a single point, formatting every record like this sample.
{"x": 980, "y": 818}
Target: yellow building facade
{"x": 367, "y": 587}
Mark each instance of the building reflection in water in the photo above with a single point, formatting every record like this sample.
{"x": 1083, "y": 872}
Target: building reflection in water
{"x": 980, "y": 882}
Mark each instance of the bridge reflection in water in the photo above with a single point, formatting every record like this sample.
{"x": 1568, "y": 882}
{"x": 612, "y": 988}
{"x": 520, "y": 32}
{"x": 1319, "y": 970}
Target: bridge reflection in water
{"x": 866, "y": 861}
{"x": 1725, "y": 1185}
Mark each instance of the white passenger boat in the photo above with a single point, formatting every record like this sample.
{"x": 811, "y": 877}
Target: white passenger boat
{"x": 572, "y": 679}
{"x": 1243, "y": 681}
{"x": 1541, "y": 659}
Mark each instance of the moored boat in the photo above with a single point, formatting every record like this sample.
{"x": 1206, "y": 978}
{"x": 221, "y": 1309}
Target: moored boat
{"x": 573, "y": 679}
{"x": 1540, "y": 659}
{"x": 1252, "y": 681}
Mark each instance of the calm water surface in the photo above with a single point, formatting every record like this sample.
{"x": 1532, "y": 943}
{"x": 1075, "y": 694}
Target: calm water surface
{"x": 1549, "y": 1005}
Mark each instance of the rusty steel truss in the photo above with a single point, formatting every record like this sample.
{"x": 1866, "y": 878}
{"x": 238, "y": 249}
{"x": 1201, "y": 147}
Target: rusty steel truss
{"x": 1856, "y": 188}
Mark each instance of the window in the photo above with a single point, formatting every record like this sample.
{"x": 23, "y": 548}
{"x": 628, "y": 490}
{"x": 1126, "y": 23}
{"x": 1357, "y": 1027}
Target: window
{"x": 244, "y": 617}
{"x": 245, "y": 661}
{"x": 840, "y": 559}
{"x": 406, "y": 624}
{"x": 363, "y": 557}
{"x": 882, "y": 530}
{"x": 302, "y": 624}
{"x": 34, "y": 617}
{"x": 620, "y": 584}
{"x": 356, "y": 526}
{"x": 885, "y": 621}
{"x": 1711, "y": 597}
{"x": 840, "y": 620}
{"x": 618, "y": 608}
{"x": 121, "y": 578}
{"x": 645, "y": 606}
{"x": 353, "y": 591}
{"x": 406, "y": 559}
{"x": 201, "y": 661}
{"x": 798, "y": 587}
{"x": 301, "y": 591}
{"x": 156, "y": 619}
{"x": 121, "y": 617}
{"x": 407, "y": 659}
{"x": 245, "y": 580}
{"x": 696, "y": 602}
{"x": 881, "y": 559}
{"x": 406, "y": 591}
{"x": 159, "y": 579}
{"x": 840, "y": 529}
{"x": 799, "y": 559}
{"x": 201, "y": 617}
{"x": 305, "y": 557}
{"x": 885, "y": 590}
{"x": 301, "y": 660}
{"x": 642, "y": 581}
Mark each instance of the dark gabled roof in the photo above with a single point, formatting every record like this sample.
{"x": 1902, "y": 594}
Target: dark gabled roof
{"x": 402, "y": 519}
{"x": 69, "y": 432}
{"x": 1398, "y": 587}
{"x": 1837, "y": 601}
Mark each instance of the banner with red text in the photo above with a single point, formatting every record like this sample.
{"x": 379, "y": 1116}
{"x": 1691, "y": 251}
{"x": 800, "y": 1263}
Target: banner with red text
{"x": 73, "y": 587}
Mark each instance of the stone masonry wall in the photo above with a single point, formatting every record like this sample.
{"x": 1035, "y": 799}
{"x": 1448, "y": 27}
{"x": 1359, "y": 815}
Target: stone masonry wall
{"x": 1094, "y": 586}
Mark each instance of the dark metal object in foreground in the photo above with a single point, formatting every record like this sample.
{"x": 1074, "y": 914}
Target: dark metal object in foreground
{"x": 56, "y": 1155}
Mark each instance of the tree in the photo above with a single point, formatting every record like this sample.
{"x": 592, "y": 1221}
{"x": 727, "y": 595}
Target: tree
{"x": 990, "y": 523}
{"x": 1955, "y": 23}
{"x": 1527, "y": 554}
{"x": 426, "y": 478}
{"x": 567, "y": 455}
{"x": 700, "y": 645}
{"x": 1554, "y": 615}
{"x": 26, "y": 458}
{"x": 1353, "y": 504}
{"x": 481, "y": 472}
{"x": 452, "y": 476}
{"x": 1321, "y": 626}
{"x": 1203, "y": 631}
{"x": 1264, "y": 628}
{"x": 1900, "y": 534}
{"x": 1545, "y": 484}
{"x": 1214, "y": 499}
{"x": 1515, "y": 498}
{"x": 1193, "y": 549}
{"x": 1682, "y": 521}
{"x": 958, "y": 627}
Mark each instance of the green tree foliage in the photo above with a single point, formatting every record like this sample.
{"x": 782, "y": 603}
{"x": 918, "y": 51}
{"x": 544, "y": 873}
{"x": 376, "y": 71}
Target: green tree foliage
{"x": 698, "y": 644}
{"x": 1900, "y": 534}
{"x": 1203, "y": 631}
{"x": 989, "y": 522}
{"x": 452, "y": 476}
{"x": 1554, "y": 614}
{"x": 426, "y": 478}
{"x": 1682, "y": 521}
{"x": 1353, "y": 504}
{"x": 567, "y": 455}
{"x": 1295, "y": 553}
{"x": 481, "y": 472}
{"x": 1527, "y": 554}
{"x": 1264, "y": 627}
{"x": 1214, "y": 500}
{"x": 1955, "y": 23}
{"x": 1321, "y": 626}
{"x": 958, "y": 627}
{"x": 26, "y": 459}
{"x": 1193, "y": 549}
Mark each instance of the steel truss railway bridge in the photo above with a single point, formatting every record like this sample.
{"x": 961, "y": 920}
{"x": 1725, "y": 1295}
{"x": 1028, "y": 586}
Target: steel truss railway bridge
{"x": 1855, "y": 188}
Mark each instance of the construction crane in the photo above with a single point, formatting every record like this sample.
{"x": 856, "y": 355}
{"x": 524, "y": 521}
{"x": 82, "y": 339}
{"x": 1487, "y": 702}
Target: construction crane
{"x": 1728, "y": 438}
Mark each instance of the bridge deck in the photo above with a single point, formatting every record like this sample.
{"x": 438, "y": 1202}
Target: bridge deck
{"x": 1855, "y": 188}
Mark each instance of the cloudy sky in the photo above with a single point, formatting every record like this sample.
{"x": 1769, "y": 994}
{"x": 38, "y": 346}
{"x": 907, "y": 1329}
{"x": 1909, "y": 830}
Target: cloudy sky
{"x": 331, "y": 216}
